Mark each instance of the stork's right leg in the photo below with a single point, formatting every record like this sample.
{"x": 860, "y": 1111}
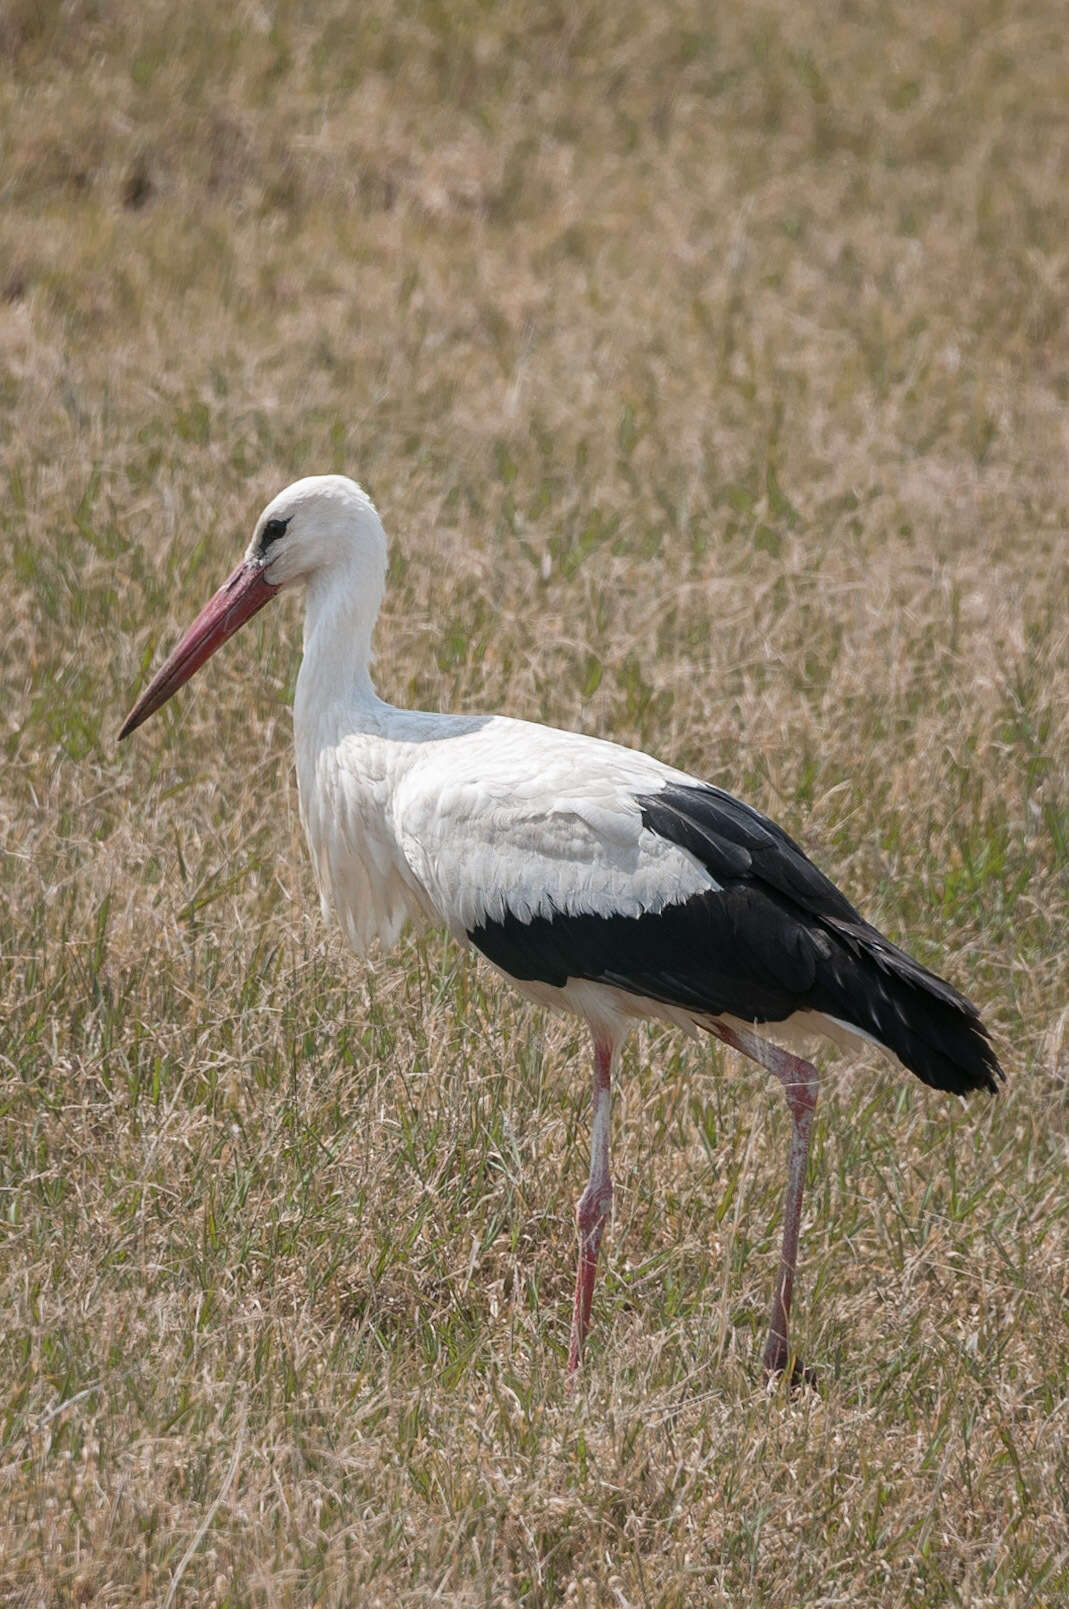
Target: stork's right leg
{"x": 799, "y": 1080}
{"x": 596, "y": 1200}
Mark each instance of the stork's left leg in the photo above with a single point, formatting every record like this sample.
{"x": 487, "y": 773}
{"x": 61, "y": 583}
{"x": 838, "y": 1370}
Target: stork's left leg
{"x": 799, "y": 1080}
{"x": 596, "y": 1200}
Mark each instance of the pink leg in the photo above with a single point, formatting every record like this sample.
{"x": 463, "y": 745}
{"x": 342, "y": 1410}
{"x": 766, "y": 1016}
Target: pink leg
{"x": 799, "y": 1080}
{"x": 595, "y": 1201}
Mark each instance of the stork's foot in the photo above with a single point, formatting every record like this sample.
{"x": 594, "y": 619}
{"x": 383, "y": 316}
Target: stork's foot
{"x": 778, "y": 1361}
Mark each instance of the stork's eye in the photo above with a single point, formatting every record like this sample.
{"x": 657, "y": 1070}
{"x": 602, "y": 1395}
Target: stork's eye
{"x": 272, "y": 531}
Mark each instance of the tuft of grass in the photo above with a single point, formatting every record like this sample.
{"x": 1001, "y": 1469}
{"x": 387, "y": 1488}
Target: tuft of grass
{"x": 710, "y": 372}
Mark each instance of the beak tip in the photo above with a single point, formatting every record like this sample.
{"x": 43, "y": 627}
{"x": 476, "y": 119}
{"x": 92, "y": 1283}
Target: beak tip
{"x": 131, "y": 723}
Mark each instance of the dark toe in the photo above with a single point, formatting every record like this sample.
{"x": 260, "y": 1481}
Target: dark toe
{"x": 780, "y": 1363}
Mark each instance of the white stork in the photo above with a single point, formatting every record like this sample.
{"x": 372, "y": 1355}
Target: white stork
{"x": 594, "y": 877}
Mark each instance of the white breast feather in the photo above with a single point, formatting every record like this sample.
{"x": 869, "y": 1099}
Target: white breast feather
{"x": 361, "y": 876}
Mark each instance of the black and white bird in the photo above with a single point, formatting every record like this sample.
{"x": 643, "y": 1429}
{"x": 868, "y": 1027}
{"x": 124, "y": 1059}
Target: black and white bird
{"x": 595, "y": 878}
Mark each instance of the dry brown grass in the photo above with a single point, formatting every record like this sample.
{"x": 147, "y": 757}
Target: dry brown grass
{"x": 711, "y": 372}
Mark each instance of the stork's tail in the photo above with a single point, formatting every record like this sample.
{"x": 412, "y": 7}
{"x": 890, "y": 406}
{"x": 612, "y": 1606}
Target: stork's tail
{"x": 917, "y": 1016}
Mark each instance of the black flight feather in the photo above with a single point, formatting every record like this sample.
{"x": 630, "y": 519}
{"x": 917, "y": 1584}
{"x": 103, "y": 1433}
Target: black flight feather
{"x": 777, "y": 938}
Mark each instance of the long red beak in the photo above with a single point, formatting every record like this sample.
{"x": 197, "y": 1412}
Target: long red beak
{"x": 238, "y": 599}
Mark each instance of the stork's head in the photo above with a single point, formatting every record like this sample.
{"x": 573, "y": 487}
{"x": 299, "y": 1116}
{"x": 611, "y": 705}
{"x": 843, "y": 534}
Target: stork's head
{"x": 319, "y": 530}
{"x": 319, "y": 524}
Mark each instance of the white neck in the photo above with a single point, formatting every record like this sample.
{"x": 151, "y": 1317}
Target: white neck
{"x": 340, "y": 610}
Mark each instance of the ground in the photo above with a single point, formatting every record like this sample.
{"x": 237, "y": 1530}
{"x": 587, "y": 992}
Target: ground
{"x": 709, "y": 366}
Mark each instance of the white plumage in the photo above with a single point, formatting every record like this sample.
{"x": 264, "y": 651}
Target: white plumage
{"x": 480, "y": 819}
{"x": 595, "y": 877}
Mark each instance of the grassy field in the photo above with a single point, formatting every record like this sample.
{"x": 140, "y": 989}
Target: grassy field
{"x": 710, "y": 368}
